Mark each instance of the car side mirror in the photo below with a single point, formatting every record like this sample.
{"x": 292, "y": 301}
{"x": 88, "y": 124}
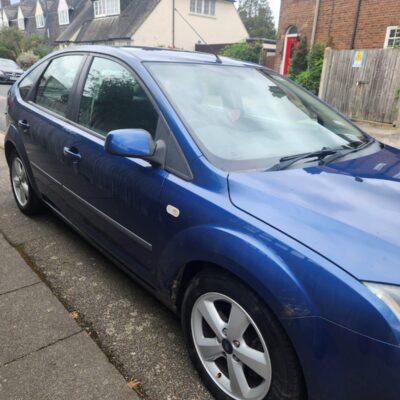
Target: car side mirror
{"x": 135, "y": 143}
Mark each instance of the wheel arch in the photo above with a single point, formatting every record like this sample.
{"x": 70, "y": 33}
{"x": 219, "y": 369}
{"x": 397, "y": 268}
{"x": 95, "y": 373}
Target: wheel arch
{"x": 242, "y": 255}
{"x": 13, "y": 141}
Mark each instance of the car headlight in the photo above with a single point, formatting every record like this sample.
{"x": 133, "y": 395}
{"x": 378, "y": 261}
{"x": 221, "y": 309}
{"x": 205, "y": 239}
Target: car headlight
{"x": 389, "y": 294}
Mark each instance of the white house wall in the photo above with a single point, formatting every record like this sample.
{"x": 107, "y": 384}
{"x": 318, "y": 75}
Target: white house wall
{"x": 225, "y": 27}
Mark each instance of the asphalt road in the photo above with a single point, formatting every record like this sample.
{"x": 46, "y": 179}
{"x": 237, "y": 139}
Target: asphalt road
{"x": 139, "y": 335}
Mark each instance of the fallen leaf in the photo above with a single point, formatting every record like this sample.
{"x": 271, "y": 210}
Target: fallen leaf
{"x": 133, "y": 384}
{"x": 74, "y": 314}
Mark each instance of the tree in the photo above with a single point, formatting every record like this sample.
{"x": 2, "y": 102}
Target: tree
{"x": 311, "y": 77}
{"x": 12, "y": 39}
{"x": 298, "y": 62}
{"x": 243, "y": 51}
{"x": 258, "y": 19}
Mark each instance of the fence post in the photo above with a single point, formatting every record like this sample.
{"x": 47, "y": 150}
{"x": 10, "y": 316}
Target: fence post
{"x": 325, "y": 74}
{"x": 397, "y": 123}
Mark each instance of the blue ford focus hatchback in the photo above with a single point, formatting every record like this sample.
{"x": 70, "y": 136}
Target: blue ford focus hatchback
{"x": 266, "y": 220}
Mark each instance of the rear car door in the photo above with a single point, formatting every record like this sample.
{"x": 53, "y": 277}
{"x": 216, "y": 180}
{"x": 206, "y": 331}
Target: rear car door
{"x": 43, "y": 121}
{"x": 115, "y": 200}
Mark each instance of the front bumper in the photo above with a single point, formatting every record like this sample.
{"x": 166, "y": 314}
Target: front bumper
{"x": 340, "y": 364}
{"x": 9, "y": 78}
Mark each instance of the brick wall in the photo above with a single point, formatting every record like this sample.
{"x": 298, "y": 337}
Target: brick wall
{"x": 299, "y": 13}
{"x": 336, "y": 22}
{"x": 375, "y": 17}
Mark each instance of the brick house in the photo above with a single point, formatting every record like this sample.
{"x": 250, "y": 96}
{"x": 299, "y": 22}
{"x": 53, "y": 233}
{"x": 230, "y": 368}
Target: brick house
{"x": 343, "y": 24}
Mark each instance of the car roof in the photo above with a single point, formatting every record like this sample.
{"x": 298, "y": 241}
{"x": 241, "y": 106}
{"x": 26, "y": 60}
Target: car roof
{"x": 159, "y": 54}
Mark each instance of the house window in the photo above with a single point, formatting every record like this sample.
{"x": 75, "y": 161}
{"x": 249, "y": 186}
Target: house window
{"x": 103, "y": 8}
{"x": 21, "y": 24}
{"x": 5, "y": 20}
{"x": 63, "y": 13}
{"x": 392, "y": 36}
{"x": 40, "y": 21}
{"x": 20, "y": 20}
{"x": 202, "y": 7}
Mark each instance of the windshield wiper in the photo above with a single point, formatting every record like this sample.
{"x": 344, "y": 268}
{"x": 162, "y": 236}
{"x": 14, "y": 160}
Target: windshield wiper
{"x": 345, "y": 152}
{"x": 286, "y": 162}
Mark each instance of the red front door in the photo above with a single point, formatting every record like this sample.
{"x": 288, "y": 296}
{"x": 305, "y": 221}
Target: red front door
{"x": 291, "y": 44}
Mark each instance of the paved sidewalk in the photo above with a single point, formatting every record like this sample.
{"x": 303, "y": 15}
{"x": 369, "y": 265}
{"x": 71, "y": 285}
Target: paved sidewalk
{"x": 44, "y": 354}
{"x": 384, "y": 133}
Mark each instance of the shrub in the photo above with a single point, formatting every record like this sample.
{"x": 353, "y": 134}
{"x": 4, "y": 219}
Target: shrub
{"x": 298, "y": 62}
{"x": 311, "y": 77}
{"x": 5, "y": 52}
{"x": 27, "y": 59}
{"x": 251, "y": 52}
{"x": 13, "y": 43}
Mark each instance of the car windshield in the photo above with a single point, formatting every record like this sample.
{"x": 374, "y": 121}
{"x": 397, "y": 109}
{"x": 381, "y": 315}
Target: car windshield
{"x": 247, "y": 118}
{"x": 8, "y": 64}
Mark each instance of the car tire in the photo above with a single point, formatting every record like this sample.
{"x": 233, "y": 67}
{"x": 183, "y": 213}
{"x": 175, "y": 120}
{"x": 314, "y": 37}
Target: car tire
{"x": 280, "y": 376}
{"x": 25, "y": 197}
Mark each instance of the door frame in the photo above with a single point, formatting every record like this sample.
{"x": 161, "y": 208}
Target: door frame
{"x": 288, "y": 35}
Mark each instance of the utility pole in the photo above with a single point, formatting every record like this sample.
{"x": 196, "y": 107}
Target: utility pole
{"x": 46, "y": 22}
{"x": 173, "y": 24}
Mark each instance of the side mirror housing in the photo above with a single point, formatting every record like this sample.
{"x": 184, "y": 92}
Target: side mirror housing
{"x": 135, "y": 143}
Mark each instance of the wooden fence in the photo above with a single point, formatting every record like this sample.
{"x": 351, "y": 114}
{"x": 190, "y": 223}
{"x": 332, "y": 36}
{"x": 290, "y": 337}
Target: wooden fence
{"x": 364, "y": 88}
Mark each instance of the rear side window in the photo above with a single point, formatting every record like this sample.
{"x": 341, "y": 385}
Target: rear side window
{"x": 55, "y": 85}
{"x": 113, "y": 99}
{"x": 26, "y": 84}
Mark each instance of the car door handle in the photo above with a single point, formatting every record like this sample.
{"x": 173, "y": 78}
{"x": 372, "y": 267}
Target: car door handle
{"x": 72, "y": 153}
{"x": 23, "y": 124}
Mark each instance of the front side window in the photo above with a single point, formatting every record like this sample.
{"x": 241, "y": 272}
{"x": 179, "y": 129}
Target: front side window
{"x": 245, "y": 118}
{"x": 55, "y": 85}
{"x": 393, "y": 37}
{"x": 203, "y": 7}
{"x": 113, "y": 99}
{"x": 103, "y": 8}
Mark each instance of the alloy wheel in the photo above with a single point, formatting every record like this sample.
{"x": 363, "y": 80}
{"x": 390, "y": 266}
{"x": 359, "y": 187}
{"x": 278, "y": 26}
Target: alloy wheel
{"x": 231, "y": 347}
{"x": 20, "y": 182}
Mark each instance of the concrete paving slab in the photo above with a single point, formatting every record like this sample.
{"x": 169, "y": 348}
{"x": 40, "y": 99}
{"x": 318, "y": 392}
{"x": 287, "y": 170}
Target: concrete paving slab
{"x": 14, "y": 273}
{"x": 71, "y": 369}
{"x": 31, "y": 318}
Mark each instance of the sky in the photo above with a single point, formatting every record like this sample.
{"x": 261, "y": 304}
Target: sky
{"x": 275, "y": 7}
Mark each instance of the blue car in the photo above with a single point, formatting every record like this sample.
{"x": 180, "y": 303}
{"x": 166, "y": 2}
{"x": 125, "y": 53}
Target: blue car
{"x": 266, "y": 220}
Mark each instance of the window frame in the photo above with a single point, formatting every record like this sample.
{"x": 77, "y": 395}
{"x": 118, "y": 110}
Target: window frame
{"x": 81, "y": 88}
{"x": 40, "y": 18}
{"x": 76, "y": 96}
{"x": 388, "y": 37}
{"x": 63, "y": 16}
{"x": 33, "y": 94}
{"x": 103, "y": 9}
{"x": 210, "y": 5}
{"x": 80, "y": 85}
{"x": 32, "y": 91}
